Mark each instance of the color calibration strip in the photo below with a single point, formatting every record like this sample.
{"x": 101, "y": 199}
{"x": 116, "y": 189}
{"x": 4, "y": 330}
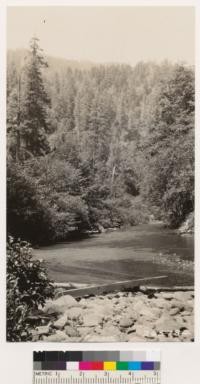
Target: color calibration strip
{"x": 97, "y": 367}
{"x": 97, "y": 361}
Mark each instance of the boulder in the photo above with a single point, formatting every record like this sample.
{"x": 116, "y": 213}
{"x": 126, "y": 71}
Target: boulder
{"x": 160, "y": 303}
{"x": 59, "y": 336}
{"x": 61, "y": 322}
{"x": 189, "y": 305}
{"x": 168, "y": 295}
{"x": 150, "y": 335}
{"x": 42, "y": 330}
{"x": 101, "y": 339}
{"x": 109, "y": 330}
{"x": 188, "y": 323}
{"x": 83, "y": 331}
{"x": 180, "y": 296}
{"x": 133, "y": 338}
{"x": 83, "y": 302}
{"x": 71, "y": 332}
{"x": 131, "y": 329}
{"x": 177, "y": 304}
{"x": 166, "y": 324}
{"x": 150, "y": 314}
{"x": 60, "y": 305}
{"x": 106, "y": 310}
{"x": 186, "y": 335}
{"x": 91, "y": 320}
{"x": 126, "y": 322}
{"x": 174, "y": 311}
{"x": 142, "y": 330}
{"x": 74, "y": 313}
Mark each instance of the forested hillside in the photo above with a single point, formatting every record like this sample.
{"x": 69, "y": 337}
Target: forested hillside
{"x": 96, "y": 146}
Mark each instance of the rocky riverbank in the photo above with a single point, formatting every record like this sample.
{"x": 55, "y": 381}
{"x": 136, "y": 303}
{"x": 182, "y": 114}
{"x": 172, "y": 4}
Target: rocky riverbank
{"x": 123, "y": 316}
{"x": 187, "y": 226}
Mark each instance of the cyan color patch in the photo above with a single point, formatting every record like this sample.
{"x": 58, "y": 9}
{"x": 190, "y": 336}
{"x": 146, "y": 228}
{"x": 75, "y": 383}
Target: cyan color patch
{"x": 134, "y": 366}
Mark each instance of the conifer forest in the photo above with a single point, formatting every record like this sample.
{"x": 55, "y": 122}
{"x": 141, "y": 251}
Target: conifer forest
{"x": 91, "y": 147}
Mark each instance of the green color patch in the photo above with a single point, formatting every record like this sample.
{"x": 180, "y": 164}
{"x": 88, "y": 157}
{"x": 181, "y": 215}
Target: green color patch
{"x": 122, "y": 366}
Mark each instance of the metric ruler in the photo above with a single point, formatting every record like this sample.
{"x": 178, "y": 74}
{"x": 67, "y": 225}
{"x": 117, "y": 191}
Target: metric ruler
{"x": 97, "y": 377}
{"x": 99, "y": 367}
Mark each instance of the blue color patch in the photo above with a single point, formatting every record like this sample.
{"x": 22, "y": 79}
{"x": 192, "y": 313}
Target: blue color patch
{"x": 134, "y": 366}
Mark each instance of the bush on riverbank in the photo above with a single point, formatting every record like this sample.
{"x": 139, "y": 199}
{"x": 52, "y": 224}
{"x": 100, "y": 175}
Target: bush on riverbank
{"x": 27, "y": 287}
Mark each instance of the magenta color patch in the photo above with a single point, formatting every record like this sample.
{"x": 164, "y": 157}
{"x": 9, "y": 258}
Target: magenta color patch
{"x": 85, "y": 365}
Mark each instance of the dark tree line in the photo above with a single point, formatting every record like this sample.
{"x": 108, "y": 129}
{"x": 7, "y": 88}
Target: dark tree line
{"x": 98, "y": 146}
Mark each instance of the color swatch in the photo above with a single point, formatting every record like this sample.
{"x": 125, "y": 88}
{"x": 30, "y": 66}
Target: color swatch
{"x": 97, "y": 360}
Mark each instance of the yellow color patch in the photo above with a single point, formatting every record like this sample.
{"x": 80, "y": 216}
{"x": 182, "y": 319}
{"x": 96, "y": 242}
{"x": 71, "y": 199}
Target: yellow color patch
{"x": 109, "y": 366}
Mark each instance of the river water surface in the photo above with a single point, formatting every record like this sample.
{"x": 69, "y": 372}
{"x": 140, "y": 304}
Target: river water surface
{"x": 142, "y": 251}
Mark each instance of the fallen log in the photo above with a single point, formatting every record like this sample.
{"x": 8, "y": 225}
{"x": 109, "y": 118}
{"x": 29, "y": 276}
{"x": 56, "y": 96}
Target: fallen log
{"x": 131, "y": 285}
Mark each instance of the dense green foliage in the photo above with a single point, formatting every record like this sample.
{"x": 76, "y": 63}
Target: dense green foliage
{"x": 168, "y": 149}
{"x": 27, "y": 288}
{"x": 97, "y": 146}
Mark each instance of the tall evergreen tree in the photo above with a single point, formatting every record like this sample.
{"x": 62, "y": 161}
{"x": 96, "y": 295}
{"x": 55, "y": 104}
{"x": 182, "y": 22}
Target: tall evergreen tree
{"x": 35, "y": 101}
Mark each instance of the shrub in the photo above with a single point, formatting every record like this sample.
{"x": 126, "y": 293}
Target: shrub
{"x": 27, "y": 287}
{"x": 28, "y": 214}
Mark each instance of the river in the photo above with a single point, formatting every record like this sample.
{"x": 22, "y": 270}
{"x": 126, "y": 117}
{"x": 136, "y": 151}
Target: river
{"x": 141, "y": 251}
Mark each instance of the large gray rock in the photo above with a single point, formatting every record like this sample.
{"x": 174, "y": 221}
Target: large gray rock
{"x": 105, "y": 310}
{"x": 142, "y": 331}
{"x": 60, "y": 305}
{"x": 186, "y": 335}
{"x": 61, "y": 322}
{"x": 188, "y": 323}
{"x": 133, "y": 338}
{"x": 160, "y": 303}
{"x": 101, "y": 339}
{"x": 168, "y": 295}
{"x": 150, "y": 335}
{"x": 166, "y": 324}
{"x": 130, "y": 313}
{"x": 42, "y": 330}
{"x": 126, "y": 322}
{"x": 91, "y": 319}
{"x": 83, "y": 331}
{"x": 110, "y": 330}
{"x": 149, "y": 313}
{"x": 74, "y": 313}
{"x": 174, "y": 311}
{"x": 59, "y": 336}
{"x": 71, "y": 331}
{"x": 180, "y": 296}
{"x": 177, "y": 304}
{"x": 189, "y": 306}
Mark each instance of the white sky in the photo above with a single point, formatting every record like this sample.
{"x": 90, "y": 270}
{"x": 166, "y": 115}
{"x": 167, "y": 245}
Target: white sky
{"x": 106, "y": 34}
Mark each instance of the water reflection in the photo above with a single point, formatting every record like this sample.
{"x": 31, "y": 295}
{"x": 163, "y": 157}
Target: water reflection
{"x": 142, "y": 251}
